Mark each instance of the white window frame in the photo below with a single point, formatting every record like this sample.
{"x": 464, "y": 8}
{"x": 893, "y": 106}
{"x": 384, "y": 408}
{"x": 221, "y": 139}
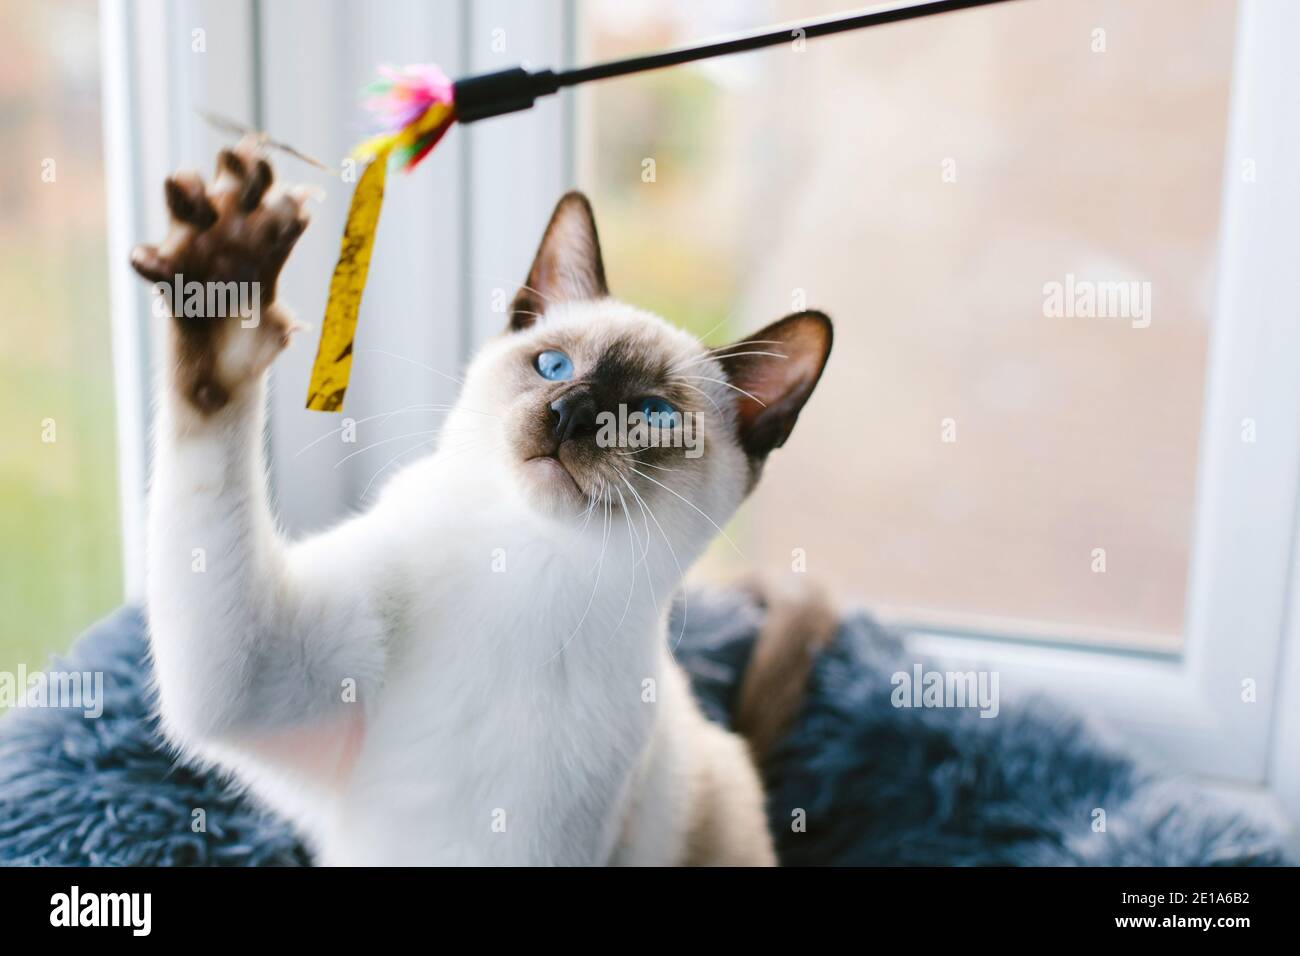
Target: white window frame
{"x": 1240, "y": 621}
{"x": 1243, "y": 606}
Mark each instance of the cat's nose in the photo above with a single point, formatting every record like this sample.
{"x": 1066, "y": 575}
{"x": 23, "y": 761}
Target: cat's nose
{"x": 573, "y": 415}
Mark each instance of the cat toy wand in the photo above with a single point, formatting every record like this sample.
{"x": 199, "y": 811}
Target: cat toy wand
{"x": 418, "y": 104}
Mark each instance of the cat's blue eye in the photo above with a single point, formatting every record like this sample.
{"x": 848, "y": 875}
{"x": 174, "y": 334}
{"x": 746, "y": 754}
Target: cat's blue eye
{"x": 658, "y": 413}
{"x": 554, "y": 365}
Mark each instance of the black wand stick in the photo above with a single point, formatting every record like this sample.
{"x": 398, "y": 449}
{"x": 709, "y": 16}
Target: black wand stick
{"x": 515, "y": 89}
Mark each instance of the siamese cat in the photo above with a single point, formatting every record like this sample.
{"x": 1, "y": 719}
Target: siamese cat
{"x": 384, "y": 685}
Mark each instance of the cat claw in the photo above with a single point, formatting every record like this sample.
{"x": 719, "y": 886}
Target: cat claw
{"x": 187, "y": 200}
{"x": 241, "y": 226}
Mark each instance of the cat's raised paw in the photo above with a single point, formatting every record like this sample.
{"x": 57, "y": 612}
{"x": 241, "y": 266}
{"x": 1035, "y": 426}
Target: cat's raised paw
{"x": 217, "y": 269}
{"x": 240, "y": 228}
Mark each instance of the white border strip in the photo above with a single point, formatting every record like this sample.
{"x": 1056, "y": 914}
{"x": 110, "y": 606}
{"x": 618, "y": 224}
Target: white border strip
{"x": 130, "y": 340}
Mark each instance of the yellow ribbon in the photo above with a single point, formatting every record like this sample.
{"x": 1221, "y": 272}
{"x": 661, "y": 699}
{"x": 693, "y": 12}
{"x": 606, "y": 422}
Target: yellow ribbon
{"x": 333, "y": 366}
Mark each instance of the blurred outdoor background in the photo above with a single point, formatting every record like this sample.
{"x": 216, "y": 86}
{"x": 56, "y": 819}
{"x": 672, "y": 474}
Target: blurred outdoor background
{"x": 60, "y": 547}
{"x": 821, "y": 174}
{"x": 921, "y": 183}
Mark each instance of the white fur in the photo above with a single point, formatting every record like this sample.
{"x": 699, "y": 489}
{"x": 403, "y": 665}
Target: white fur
{"x": 481, "y": 698}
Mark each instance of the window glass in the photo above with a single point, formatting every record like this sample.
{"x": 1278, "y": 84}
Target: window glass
{"x": 1011, "y": 215}
{"x": 60, "y": 563}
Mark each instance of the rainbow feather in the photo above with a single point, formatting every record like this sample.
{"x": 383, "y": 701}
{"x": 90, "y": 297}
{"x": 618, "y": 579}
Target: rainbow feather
{"x": 415, "y": 106}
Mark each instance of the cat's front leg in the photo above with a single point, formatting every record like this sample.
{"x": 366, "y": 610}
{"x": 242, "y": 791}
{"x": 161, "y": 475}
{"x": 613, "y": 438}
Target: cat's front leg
{"x": 256, "y": 651}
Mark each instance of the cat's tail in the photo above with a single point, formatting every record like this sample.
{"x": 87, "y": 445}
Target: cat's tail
{"x": 798, "y": 621}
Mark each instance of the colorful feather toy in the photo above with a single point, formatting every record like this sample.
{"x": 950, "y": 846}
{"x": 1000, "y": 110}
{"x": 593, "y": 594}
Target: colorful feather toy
{"x": 415, "y": 107}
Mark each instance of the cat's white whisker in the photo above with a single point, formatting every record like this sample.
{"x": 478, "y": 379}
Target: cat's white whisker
{"x": 604, "y": 530}
{"x": 696, "y": 388}
{"x": 600, "y": 566}
{"x": 716, "y": 355}
{"x": 673, "y": 553}
{"x": 632, "y": 456}
{"x": 631, "y": 543}
{"x": 721, "y": 322}
{"x": 385, "y": 466}
{"x": 512, "y": 282}
{"x": 692, "y": 504}
{"x": 385, "y": 416}
{"x": 388, "y": 441}
{"x": 736, "y": 345}
{"x": 705, "y": 378}
{"x": 723, "y": 358}
{"x": 645, "y": 550}
{"x": 421, "y": 406}
{"x": 591, "y": 505}
{"x": 645, "y": 547}
{"x": 404, "y": 358}
{"x": 471, "y": 446}
{"x": 627, "y": 514}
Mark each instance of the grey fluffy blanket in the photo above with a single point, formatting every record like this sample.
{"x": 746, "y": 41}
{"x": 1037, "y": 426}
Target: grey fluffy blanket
{"x": 857, "y": 781}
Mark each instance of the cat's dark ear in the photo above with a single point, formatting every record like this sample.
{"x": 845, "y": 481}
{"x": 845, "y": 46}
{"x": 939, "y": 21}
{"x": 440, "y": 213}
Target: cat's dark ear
{"x": 567, "y": 268}
{"x": 774, "y": 371}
